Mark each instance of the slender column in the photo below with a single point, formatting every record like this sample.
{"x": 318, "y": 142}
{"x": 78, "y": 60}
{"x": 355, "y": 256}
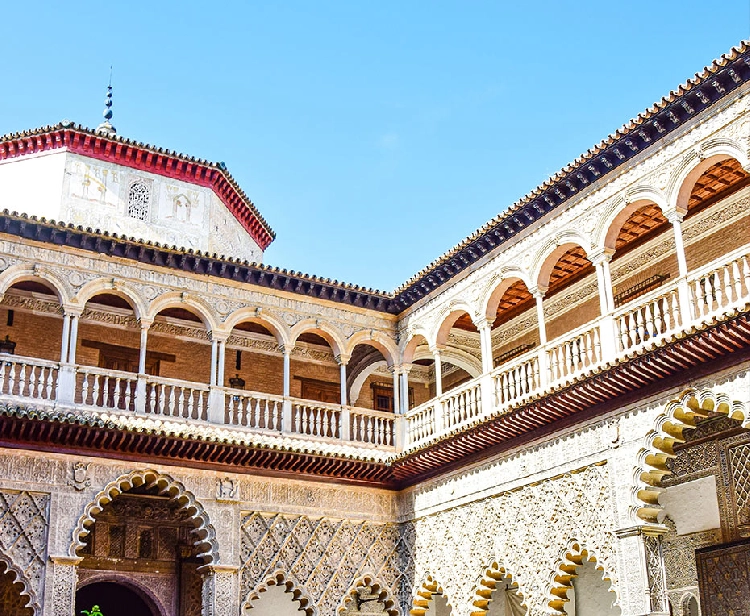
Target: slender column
{"x": 405, "y": 389}
{"x": 601, "y": 261}
{"x": 485, "y": 344}
{"x": 221, "y": 590}
{"x": 675, "y": 218}
{"x": 214, "y": 349}
{"x": 144, "y": 345}
{"x": 73, "y": 338}
{"x": 438, "y": 373}
{"x": 65, "y": 338}
{"x": 539, "y": 297}
{"x": 222, "y": 362}
{"x": 686, "y": 306}
{"x": 342, "y": 377}
{"x": 396, "y": 389}
{"x": 287, "y": 378}
{"x": 61, "y": 582}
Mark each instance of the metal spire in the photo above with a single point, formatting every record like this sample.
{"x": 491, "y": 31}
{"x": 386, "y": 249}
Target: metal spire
{"x": 106, "y": 127}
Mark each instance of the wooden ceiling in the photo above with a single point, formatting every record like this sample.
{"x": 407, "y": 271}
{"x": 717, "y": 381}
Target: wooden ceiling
{"x": 465, "y": 323}
{"x": 717, "y": 182}
{"x": 642, "y": 224}
{"x": 515, "y": 300}
{"x": 572, "y": 265}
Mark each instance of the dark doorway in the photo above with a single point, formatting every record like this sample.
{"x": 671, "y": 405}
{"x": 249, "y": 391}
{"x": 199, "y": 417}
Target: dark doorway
{"x": 113, "y": 600}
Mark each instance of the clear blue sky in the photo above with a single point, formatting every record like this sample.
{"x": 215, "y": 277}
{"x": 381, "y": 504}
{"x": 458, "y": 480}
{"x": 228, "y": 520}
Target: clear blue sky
{"x": 373, "y": 136}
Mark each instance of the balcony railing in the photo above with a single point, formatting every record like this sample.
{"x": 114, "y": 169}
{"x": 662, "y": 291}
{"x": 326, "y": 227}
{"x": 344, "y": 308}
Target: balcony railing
{"x": 703, "y": 295}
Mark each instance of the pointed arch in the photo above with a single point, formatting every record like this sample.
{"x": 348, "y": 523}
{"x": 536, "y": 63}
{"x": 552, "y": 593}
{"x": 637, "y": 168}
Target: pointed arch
{"x": 423, "y": 594}
{"x": 571, "y": 558}
{"x": 111, "y": 286}
{"x": 203, "y": 531}
{"x": 316, "y": 326}
{"x": 179, "y": 299}
{"x": 280, "y": 578}
{"x": 20, "y": 578}
{"x": 487, "y": 583}
{"x": 695, "y": 163}
{"x": 377, "y": 340}
{"x": 679, "y": 414}
{"x": 24, "y": 271}
{"x": 270, "y": 321}
{"x": 378, "y": 588}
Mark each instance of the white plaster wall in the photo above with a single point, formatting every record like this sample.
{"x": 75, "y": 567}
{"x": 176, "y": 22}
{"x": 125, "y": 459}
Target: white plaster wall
{"x": 95, "y": 194}
{"x": 275, "y": 601}
{"x": 591, "y": 595}
{"x": 32, "y": 184}
{"x": 692, "y": 505}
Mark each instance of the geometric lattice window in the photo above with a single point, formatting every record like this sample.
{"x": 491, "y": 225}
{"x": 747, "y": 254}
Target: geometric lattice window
{"x": 139, "y": 199}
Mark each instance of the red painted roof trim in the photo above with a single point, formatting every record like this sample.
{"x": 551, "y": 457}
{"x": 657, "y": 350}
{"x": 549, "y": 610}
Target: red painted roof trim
{"x": 136, "y": 156}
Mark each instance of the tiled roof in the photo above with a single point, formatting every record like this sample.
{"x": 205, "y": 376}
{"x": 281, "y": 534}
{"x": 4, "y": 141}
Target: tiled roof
{"x": 117, "y": 149}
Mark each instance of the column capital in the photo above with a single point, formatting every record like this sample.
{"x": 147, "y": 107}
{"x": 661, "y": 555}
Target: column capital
{"x": 218, "y": 336}
{"x": 72, "y": 311}
{"x": 286, "y": 349}
{"x": 146, "y": 322}
{"x": 483, "y": 322}
{"x": 437, "y": 349}
{"x": 601, "y": 255}
{"x": 64, "y": 559}
{"x": 538, "y": 291}
{"x": 342, "y": 359}
{"x": 674, "y": 216}
{"x": 394, "y": 368}
{"x": 405, "y": 368}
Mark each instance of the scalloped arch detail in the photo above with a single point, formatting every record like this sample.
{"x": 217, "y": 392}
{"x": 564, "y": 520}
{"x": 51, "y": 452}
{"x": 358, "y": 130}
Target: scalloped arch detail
{"x": 20, "y": 578}
{"x": 167, "y": 486}
{"x": 495, "y": 573}
{"x": 423, "y": 595}
{"x": 280, "y": 578}
{"x": 377, "y": 587}
{"x": 679, "y": 414}
{"x": 572, "y": 557}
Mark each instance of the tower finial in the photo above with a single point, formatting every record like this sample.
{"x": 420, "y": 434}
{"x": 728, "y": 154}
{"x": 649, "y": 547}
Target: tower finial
{"x": 106, "y": 126}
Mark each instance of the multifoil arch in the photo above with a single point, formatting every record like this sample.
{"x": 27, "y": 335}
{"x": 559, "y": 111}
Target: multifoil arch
{"x": 384, "y": 596}
{"x": 280, "y": 578}
{"x": 569, "y": 559}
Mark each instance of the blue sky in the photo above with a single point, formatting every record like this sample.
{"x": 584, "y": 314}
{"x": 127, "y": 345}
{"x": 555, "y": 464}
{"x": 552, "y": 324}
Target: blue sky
{"x": 373, "y": 136}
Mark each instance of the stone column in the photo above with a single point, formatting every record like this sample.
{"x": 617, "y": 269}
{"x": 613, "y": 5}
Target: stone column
{"x": 140, "y": 391}
{"x": 686, "y": 308}
{"x": 221, "y": 590}
{"x": 214, "y": 351}
{"x": 539, "y": 297}
{"x": 438, "y": 373}
{"x": 341, "y": 361}
{"x": 216, "y": 395}
{"x": 394, "y": 370}
{"x": 606, "y": 304}
{"x": 65, "y": 338}
{"x": 60, "y": 593}
{"x": 485, "y": 344}
{"x": 405, "y": 388}
{"x": 286, "y": 412}
{"x": 73, "y": 342}
{"x": 222, "y": 362}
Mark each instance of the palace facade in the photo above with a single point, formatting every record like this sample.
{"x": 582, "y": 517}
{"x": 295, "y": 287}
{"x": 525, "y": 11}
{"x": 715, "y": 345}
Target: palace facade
{"x": 551, "y": 418}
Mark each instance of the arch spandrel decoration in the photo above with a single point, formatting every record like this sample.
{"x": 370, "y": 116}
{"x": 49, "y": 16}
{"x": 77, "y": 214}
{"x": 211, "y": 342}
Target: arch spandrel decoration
{"x": 291, "y": 586}
{"x": 377, "y": 588}
{"x": 203, "y": 530}
{"x": 680, "y": 414}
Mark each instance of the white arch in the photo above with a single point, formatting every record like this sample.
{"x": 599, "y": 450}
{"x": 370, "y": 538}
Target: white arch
{"x": 695, "y": 163}
{"x": 460, "y": 359}
{"x": 622, "y": 210}
{"x": 270, "y": 321}
{"x": 204, "y": 531}
{"x": 414, "y": 340}
{"x": 112, "y": 287}
{"x": 356, "y": 389}
{"x": 497, "y": 288}
{"x": 25, "y": 271}
{"x": 177, "y": 299}
{"x": 550, "y": 253}
{"x": 316, "y": 326}
{"x": 377, "y": 340}
{"x": 447, "y": 318}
